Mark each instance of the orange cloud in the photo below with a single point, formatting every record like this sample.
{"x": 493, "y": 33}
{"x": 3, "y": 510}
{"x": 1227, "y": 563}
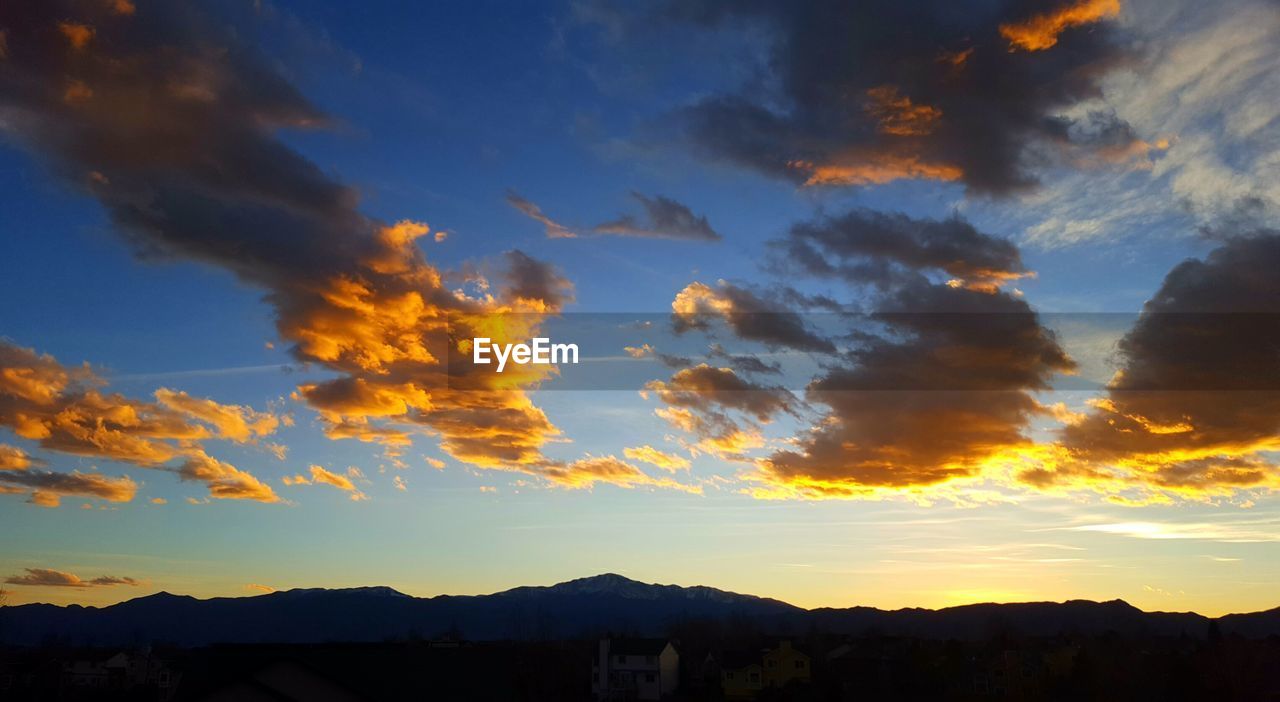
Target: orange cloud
{"x": 234, "y": 422}
{"x": 77, "y": 34}
{"x": 76, "y": 91}
{"x": 224, "y": 480}
{"x": 720, "y": 408}
{"x": 45, "y": 577}
{"x": 18, "y": 474}
{"x": 1041, "y": 31}
{"x": 897, "y": 115}
{"x": 354, "y": 296}
{"x": 586, "y": 472}
{"x": 641, "y": 351}
{"x": 321, "y": 476}
{"x": 669, "y": 462}
{"x": 875, "y": 167}
{"x": 1193, "y": 411}
{"x": 63, "y": 410}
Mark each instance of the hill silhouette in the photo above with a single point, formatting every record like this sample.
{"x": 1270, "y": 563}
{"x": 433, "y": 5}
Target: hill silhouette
{"x": 578, "y": 608}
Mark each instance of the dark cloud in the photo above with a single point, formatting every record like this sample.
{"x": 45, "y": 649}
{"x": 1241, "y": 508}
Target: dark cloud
{"x": 865, "y": 246}
{"x": 554, "y": 229}
{"x": 1196, "y": 403}
{"x": 722, "y": 409}
{"x": 664, "y": 218}
{"x": 674, "y": 361}
{"x": 172, "y": 131}
{"x": 530, "y": 279}
{"x": 750, "y": 315}
{"x": 939, "y": 379}
{"x": 744, "y": 363}
{"x": 870, "y": 92}
{"x": 932, "y": 399}
{"x": 703, "y": 387}
{"x": 49, "y": 487}
{"x": 947, "y": 384}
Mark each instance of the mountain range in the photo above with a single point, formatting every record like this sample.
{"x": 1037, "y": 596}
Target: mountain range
{"x": 578, "y": 608}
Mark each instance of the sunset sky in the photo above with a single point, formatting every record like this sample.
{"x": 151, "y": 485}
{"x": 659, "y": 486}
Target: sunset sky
{"x": 885, "y": 303}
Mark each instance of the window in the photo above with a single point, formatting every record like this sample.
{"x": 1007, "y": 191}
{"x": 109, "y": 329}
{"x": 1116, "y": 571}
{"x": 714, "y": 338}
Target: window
{"x": 650, "y": 677}
{"x": 621, "y": 659}
{"x": 773, "y": 663}
{"x": 651, "y": 659}
{"x": 753, "y": 677}
{"x": 728, "y": 675}
{"x": 799, "y": 665}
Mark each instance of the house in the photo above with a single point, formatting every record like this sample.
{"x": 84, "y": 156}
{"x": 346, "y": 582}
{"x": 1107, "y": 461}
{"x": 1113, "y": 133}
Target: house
{"x": 635, "y": 669}
{"x": 785, "y": 664}
{"x": 743, "y": 676}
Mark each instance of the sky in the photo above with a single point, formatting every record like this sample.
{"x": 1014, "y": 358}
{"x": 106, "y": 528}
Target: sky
{"x": 894, "y": 304}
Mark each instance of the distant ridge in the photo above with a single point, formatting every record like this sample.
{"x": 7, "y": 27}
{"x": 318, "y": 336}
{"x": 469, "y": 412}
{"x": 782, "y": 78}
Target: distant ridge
{"x": 576, "y": 608}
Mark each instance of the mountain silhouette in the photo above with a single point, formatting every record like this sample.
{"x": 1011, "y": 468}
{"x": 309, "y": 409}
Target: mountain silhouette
{"x": 578, "y": 608}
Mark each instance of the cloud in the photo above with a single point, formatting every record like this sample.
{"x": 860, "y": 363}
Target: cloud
{"x": 234, "y": 422}
{"x": 320, "y": 476}
{"x": 743, "y": 363}
{"x": 947, "y": 389}
{"x": 201, "y": 175}
{"x": 20, "y": 472}
{"x": 255, "y": 587}
{"x": 938, "y": 382}
{"x": 1194, "y": 408}
{"x": 224, "y": 480}
{"x": 64, "y": 410}
{"x": 14, "y": 458}
{"x": 555, "y": 230}
{"x": 45, "y": 577}
{"x": 723, "y": 410}
{"x": 641, "y": 351}
{"x": 865, "y": 246}
{"x": 590, "y": 470}
{"x": 703, "y": 387}
{"x": 49, "y": 487}
{"x": 664, "y": 218}
{"x": 17, "y": 474}
{"x": 535, "y": 283}
{"x": 1232, "y": 533}
{"x": 1195, "y": 99}
{"x": 747, "y": 313}
{"x": 1041, "y": 31}
{"x": 669, "y": 462}
{"x": 869, "y": 93}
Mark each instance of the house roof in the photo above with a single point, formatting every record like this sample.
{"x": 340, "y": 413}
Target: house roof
{"x": 637, "y": 647}
{"x": 736, "y": 660}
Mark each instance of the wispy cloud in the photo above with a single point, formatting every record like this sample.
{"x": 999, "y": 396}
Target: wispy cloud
{"x": 1240, "y": 532}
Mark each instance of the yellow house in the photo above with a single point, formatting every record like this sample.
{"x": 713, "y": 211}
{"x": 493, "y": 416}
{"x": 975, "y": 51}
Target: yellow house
{"x": 744, "y": 676}
{"x": 784, "y": 664}
{"x": 741, "y": 678}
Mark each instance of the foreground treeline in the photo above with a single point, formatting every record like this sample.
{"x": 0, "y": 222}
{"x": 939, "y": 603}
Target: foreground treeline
{"x": 869, "y": 666}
